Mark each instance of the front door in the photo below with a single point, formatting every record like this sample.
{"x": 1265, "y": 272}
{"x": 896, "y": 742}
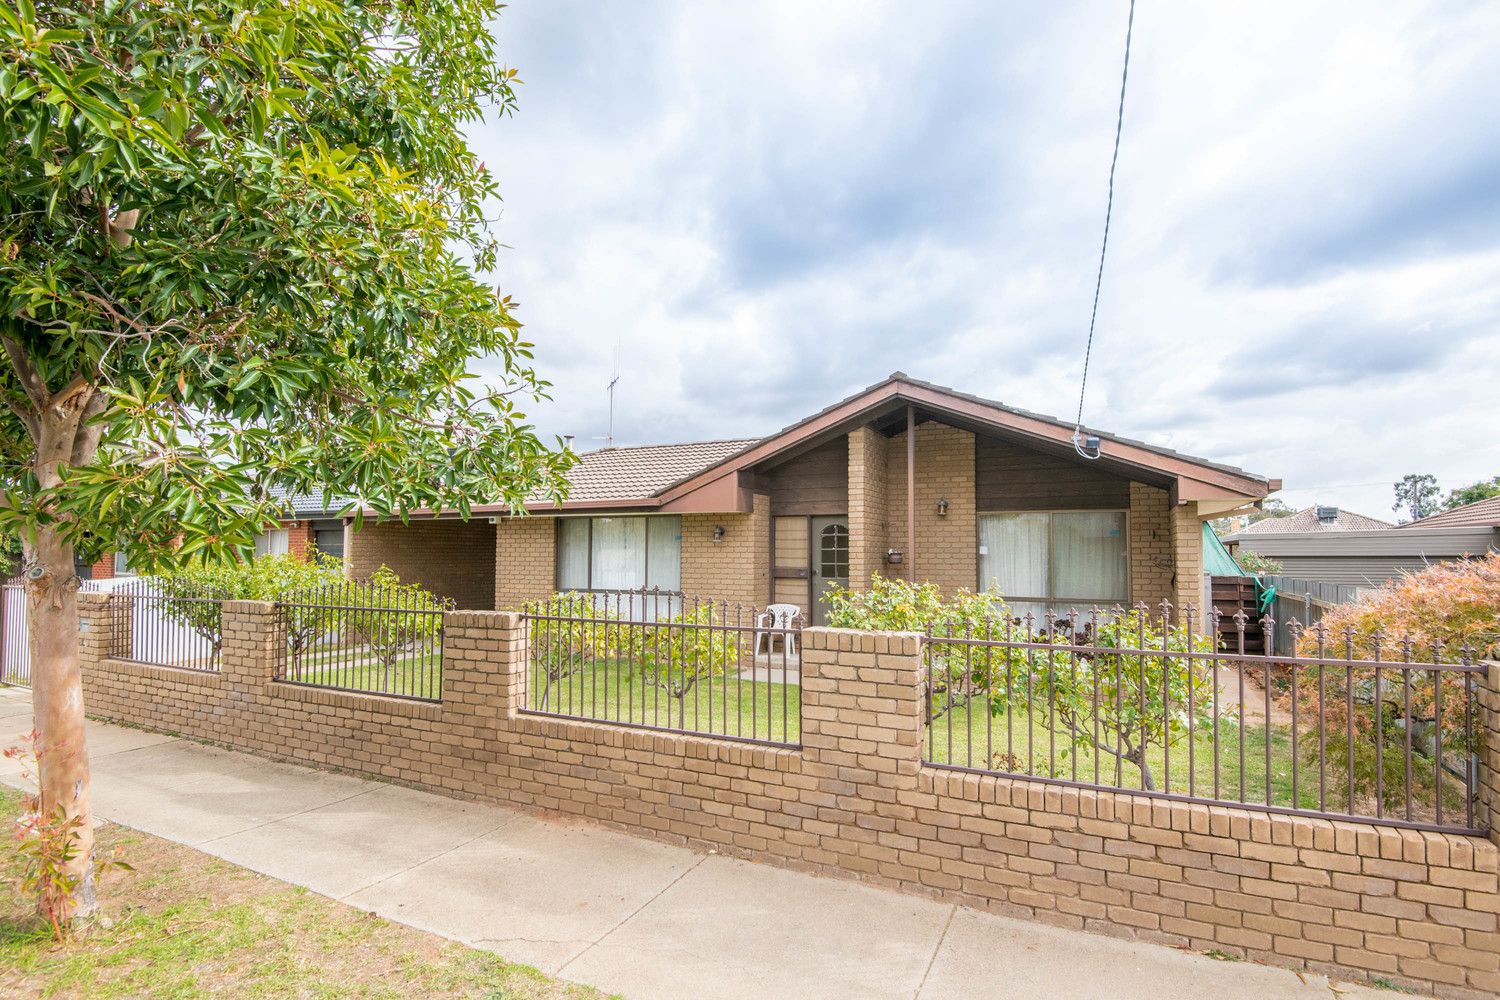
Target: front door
{"x": 830, "y": 561}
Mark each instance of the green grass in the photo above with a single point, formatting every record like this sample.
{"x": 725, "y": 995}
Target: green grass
{"x": 722, "y": 706}
{"x": 1027, "y": 744}
{"x": 417, "y": 676}
{"x": 185, "y": 925}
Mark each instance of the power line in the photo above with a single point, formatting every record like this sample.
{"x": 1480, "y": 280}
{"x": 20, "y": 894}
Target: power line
{"x": 1104, "y": 244}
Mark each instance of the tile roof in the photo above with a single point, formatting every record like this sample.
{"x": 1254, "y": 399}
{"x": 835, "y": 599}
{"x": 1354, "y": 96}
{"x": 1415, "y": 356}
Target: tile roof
{"x": 310, "y": 504}
{"x": 1306, "y": 522}
{"x": 637, "y": 473}
{"x": 1479, "y": 514}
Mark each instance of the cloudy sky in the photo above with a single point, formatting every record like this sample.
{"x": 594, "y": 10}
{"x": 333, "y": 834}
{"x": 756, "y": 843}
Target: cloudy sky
{"x": 753, "y": 209}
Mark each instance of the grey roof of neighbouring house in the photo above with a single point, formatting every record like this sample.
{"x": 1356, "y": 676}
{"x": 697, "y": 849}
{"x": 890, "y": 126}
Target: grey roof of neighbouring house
{"x": 1479, "y": 514}
{"x": 303, "y": 505}
{"x": 637, "y": 473}
{"x": 1306, "y": 522}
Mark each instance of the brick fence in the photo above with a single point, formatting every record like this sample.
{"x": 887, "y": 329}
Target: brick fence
{"x": 1354, "y": 900}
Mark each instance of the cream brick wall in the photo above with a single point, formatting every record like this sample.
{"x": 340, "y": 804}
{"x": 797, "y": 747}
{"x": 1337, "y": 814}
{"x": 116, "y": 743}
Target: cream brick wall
{"x": 525, "y": 556}
{"x": 1152, "y": 546}
{"x": 867, "y": 505}
{"x": 947, "y": 547}
{"x": 736, "y": 569}
{"x": 855, "y": 800}
{"x": 445, "y": 556}
{"x": 1187, "y": 541}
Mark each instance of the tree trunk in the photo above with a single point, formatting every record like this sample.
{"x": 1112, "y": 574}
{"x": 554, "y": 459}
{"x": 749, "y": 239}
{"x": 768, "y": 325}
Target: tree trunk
{"x": 63, "y": 437}
{"x": 57, "y": 701}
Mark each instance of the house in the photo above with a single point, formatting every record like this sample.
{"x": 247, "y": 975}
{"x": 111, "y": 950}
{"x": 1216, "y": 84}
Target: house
{"x": 1326, "y": 545}
{"x": 308, "y": 523}
{"x": 904, "y": 479}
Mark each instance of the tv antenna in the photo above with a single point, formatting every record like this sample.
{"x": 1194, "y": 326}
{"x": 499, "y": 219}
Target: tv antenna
{"x": 609, "y": 437}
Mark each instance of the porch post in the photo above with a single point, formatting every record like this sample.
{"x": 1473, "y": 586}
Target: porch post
{"x": 911, "y": 494}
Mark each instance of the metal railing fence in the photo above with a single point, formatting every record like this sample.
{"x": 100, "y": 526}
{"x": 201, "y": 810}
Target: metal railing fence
{"x": 170, "y": 623}
{"x": 1356, "y": 727}
{"x": 658, "y": 660}
{"x": 364, "y": 636}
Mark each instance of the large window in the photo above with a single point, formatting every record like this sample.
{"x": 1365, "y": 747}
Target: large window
{"x": 619, "y": 553}
{"x": 1055, "y": 559}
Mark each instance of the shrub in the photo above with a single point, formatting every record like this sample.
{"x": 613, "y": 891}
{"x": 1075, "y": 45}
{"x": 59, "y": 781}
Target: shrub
{"x": 689, "y": 647}
{"x": 46, "y": 844}
{"x": 1126, "y": 705}
{"x": 200, "y": 591}
{"x": 902, "y": 606}
{"x": 1253, "y": 562}
{"x": 572, "y": 632}
{"x": 1442, "y": 610}
{"x": 393, "y": 619}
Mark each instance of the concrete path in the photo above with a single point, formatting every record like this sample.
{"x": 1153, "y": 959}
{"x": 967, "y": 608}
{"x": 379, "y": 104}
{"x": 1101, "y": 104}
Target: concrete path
{"x": 625, "y": 914}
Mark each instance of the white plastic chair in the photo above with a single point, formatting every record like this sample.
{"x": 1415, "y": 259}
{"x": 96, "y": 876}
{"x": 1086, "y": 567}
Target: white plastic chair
{"x": 777, "y": 616}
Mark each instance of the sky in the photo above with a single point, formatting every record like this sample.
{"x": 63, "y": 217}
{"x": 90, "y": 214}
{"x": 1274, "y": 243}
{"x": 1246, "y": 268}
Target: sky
{"x": 750, "y": 210}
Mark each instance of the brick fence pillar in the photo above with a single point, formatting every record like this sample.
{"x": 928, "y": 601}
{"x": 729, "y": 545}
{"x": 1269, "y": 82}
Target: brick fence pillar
{"x": 253, "y": 643}
{"x": 861, "y": 739}
{"x": 95, "y": 628}
{"x": 484, "y": 655}
{"x": 1488, "y": 746}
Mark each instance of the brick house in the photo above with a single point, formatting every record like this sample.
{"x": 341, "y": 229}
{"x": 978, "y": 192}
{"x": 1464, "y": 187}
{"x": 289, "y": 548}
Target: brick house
{"x": 309, "y": 523}
{"x": 905, "y": 479}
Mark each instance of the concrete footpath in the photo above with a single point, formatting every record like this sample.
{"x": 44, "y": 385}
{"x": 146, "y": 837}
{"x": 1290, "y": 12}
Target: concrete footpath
{"x": 622, "y": 913}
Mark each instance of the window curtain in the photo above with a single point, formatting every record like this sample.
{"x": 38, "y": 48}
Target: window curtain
{"x": 1089, "y": 558}
{"x": 1013, "y": 554}
{"x": 619, "y": 552}
{"x": 272, "y": 543}
{"x": 664, "y": 552}
{"x": 573, "y": 553}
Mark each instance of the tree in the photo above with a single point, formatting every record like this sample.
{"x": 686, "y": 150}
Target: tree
{"x": 1127, "y": 705}
{"x": 1473, "y": 493}
{"x": 393, "y": 619}
{"x": 1416, "y": 496}
{"x": 238, "y": 250}
{"x": 691, "y": 646}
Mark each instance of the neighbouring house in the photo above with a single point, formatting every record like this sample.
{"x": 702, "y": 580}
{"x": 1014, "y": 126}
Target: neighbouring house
{"x": 1328, "y": 545}
{"x": 905, "y": 479}
{"x": 309, "y": 523}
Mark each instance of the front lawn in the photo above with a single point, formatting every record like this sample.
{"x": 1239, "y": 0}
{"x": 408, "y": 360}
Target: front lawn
{"x": 726, "y": 705}
{"x": 185, "y": 925}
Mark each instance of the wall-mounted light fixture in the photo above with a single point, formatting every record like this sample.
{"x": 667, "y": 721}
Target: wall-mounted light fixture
{"x": 718, "y": 533}
{"x": 943, "y": 507}
{"x": 893, "y": 557}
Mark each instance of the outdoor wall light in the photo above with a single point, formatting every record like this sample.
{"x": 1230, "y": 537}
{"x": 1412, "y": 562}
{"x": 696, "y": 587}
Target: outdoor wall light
{"x": 943, "y": 507}
{"x": 893, "y": 556}
{"x": 718, "y": 533}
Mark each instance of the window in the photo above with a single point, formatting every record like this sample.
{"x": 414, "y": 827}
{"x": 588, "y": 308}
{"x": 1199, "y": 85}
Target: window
{"x": 272, "y": 543}
{"x": 122, "y": 565}
{"x": 328, "y": 538}
{"x": 833, "y": 552}
{"x": 619, "y": 553}
{"x": 1057, "y": 559}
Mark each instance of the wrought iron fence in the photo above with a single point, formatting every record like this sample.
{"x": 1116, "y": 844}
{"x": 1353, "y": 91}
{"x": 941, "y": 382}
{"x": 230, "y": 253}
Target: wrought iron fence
{"x": 1354, "y": 727}
{"x": 170, "y": 623}
{"x": 364, "y": 636}
{"x": 659, "y": 660}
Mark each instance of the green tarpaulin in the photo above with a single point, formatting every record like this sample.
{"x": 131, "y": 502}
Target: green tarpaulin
{"x": 1218, "y": 562}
